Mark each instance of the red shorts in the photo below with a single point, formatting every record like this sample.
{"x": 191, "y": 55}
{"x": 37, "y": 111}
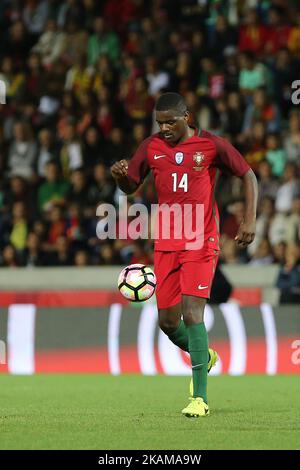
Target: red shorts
{"x": 183, "y": 272}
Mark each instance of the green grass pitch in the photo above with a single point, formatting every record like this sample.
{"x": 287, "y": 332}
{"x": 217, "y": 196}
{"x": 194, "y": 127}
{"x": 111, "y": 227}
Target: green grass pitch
{"x": 136, "y": 412}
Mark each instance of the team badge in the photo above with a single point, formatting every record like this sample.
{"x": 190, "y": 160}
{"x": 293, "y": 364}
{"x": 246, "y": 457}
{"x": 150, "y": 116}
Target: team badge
{"x": 198, "y": 159}
{"x": 179, "y": 157}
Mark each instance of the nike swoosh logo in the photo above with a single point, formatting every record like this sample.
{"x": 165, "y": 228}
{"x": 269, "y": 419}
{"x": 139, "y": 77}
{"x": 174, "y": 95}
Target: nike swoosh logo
{"x": 156, "y": 157}
{"x": 202, "y": 287}
{"x": 197, "y": 365}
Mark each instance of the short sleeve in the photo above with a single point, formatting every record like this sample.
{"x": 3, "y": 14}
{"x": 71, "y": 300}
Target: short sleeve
{"x": 138, "y": 166}
{"x": 228, "y": 158}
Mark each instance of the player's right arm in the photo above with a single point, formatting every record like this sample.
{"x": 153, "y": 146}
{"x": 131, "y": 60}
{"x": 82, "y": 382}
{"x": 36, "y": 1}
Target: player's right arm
{"x": 119, "y": 171}
{"x": 129, "y": 175}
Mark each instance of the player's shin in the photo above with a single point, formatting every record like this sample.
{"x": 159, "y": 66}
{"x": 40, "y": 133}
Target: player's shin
{"x": 198, "y": 346}
{"x": 180, "y": 337}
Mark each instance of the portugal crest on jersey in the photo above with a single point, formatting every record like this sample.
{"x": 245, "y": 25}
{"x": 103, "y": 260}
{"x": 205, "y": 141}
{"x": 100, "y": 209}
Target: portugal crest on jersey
{"x": 198, "y": 159}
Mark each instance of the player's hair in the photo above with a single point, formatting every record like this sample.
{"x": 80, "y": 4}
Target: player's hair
{"x": 172, "y": 101}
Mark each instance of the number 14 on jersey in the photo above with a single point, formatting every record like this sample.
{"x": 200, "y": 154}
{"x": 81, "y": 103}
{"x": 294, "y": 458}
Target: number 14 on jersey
{"x": 183, "y": 183}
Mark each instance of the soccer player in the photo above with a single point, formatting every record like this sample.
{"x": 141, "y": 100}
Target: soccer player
{"x": 185, "y": 163}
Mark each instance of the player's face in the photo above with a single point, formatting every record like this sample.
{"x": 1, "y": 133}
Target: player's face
{"x": 172, "y": 126}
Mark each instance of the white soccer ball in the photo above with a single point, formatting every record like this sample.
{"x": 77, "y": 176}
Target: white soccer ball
{"x": 137, "y": 282}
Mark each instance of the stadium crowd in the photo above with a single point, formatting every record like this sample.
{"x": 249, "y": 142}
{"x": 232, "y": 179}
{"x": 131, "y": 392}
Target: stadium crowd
{"x": 82, "y": 77}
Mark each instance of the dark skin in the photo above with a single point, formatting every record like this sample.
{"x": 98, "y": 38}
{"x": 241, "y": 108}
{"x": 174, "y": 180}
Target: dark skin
{"x": 174, "y": 128}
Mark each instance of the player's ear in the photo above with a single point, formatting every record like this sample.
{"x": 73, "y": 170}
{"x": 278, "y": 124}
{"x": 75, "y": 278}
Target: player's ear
{"x": 186, "y": 116}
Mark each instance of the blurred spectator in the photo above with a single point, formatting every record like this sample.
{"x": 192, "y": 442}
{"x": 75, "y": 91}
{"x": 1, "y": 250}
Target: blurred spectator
{"x": 267, "y": 184}
{"x": 54, "y": 190}
{"x": 252, "y": 74}
{"x": 149, "y": 40}
{"x": 278, "y": 30}
{"x": 22, "y": 152}
{"x": 289, "y": 187}
{"x": 71, "y": 156}
{"x": 137, "y": 101}
{"x": 74, "y": 226}
{"x": 223, "y": 38}
{"x": 34, "y": 77}
{"x": 284, "y": 71}
{"x": 279, "y": 252}
{"x": 46, "y": 151}
{"x": 261, "y": 109}
{"x": 108, "y": 255}
{"x": 78, "y": 193}
{"x": 81, "y": 259}
{"x": 252, "y": 34}
{"x": 294, "y": 36}
{"x": 61, "y": 255}
{"x": 104, "y": 74}
{"x": 102, "y": 42}
{"x": 75, "y": 44}
{"x": 292, "y": 139}
{"x": 33, "y": 255}
{"x": 17, "y": 43}
{"x": 157, "y": 79}
{"x": 13, "y": 79}
{"x": 119, "y": 13}
{"x": 288, "y": 280}
{"x": 19, "y": 191}
{"x": 51, "y": 44}
{"x": 93, "y": 149}
{"x": 263, "y": 255}
{"x": 235, "y": 114}
{"x": 79, "y": 76}
{"x": 19, "y": 228}
{"x": 105, "y": 119}
{"x": 254, "y": 145}
{"x": 116, "y": 146}
{"x": 275, "y": 154}
{"x": 57, "y": 224}
{"x": 9, "y": 257}
{"x": 293, "y": 223}
{"x": 35, "y": 15}
{"x": 212, "y": 80}
{"x": 139, "y": 133}
{"x": 69, "y": 10}
{"x": 277, "y": 228}
{"x": 102, "y": 187}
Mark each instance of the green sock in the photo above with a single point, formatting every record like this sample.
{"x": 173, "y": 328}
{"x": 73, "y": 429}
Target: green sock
{"x": 198, "y": 346}
{"x": 180, "y": 337}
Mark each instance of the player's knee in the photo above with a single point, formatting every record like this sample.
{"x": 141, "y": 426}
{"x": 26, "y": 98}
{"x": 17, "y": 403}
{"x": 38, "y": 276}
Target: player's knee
{"x": 190, "y": 318}
{"x": 167, "y": 325}
{"x": 193, "y": 310}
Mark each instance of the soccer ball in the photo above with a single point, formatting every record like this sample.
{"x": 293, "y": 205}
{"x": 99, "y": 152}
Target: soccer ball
{"x": 137, "y": 282}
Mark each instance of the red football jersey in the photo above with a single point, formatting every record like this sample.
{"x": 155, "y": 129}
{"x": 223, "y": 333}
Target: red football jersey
{"x": 185, "y": 176}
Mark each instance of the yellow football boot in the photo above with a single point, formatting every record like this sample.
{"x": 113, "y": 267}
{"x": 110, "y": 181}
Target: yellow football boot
{"x": 196, "y": 408}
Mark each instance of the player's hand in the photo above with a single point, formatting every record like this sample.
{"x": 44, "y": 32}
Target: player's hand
{"x": 119, "y": 169}
{"x": 246, "y": 234}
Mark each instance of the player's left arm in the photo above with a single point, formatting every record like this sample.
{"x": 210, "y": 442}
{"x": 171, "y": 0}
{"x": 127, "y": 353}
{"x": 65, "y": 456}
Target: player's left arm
{"x": 246, "y": 232}
{"x": 229, "y": 158}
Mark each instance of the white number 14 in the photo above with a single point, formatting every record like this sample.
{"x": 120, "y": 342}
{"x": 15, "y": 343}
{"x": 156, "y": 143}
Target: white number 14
{"x": 183, "y": 183}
